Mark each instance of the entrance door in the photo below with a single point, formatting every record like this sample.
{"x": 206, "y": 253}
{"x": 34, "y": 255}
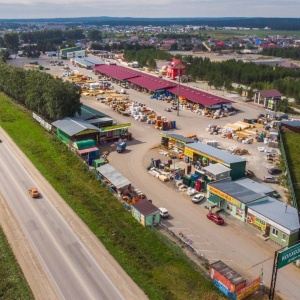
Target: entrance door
{"x": 267, "y": 232}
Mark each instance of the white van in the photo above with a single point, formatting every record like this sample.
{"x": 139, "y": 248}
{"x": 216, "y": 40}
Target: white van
{"x": 163, "y": 212}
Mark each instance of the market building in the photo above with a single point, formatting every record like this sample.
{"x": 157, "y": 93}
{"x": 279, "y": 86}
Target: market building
{"x": 71, "y": 52}
{"x": 145, "y": 213}
{"x": 154, "y": 85}
{"x": 112, "y": 178}
{"x": 268, "y": 98}
{"x": 174, "y": 142}
{"x": 275, "y": 220}
{"x": 203, "y": 155}
{"x": 232, "y": 197}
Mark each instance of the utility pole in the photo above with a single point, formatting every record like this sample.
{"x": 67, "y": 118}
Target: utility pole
{"x": 178, "y": 89}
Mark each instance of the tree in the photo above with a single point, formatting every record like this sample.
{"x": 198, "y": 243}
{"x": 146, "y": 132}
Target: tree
{"x": 11, "y": 40}
{"x": 94, "y": 35}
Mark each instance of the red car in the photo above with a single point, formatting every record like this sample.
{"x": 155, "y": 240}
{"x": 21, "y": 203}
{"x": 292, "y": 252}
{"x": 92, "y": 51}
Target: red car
{"x": 215, "y": 218}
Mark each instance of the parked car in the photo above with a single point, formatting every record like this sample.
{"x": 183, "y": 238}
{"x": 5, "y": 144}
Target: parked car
{"x": 270, "y": 179}
{"x": 198, "y": 198}
{"x": 168, "y": 109}
{"x": 215, "y": 218}
{"x": 274, "y": 171}
{"x": 34, "y": 193}
{"x": 163, "y": 212}
{"x": 276, "y": 195}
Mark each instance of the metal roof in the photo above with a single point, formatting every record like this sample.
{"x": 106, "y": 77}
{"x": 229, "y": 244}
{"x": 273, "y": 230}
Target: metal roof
{"x": 236, "y": 191}
{"x": 89, "y": 113}
{"x": 178, "y": 137}
{"x": 216, "y": 169}
{"x": 72, "y": 126}
{"x": 145, "y": 207}
{"x": 279, "y": 212}
{"x": 255, "y": 186}
{"x": 117, "y": 72}
{"x": 154, "y": 83}
{"x": 227, "y": 272}
{"x": 100, "y": 120}
{"x": 116, "y": 178}
{"x": 270, "y": 93}
{"x": 151, "y": 83}
{"x": 217, "y": 153}
{"x": 197, "y": 96}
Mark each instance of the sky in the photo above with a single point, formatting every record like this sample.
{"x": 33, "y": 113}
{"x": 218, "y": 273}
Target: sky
{"x": 26, "y": 9}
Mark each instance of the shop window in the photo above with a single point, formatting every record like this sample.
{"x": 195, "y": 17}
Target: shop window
{"x": 284, "y": 237}
{"x": 239, "y": 212}
{"x": 275, "y": 231}
{"x": 229, "y": 207}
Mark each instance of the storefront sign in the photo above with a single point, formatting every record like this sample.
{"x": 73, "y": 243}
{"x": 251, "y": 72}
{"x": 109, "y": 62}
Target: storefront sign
{"x": 225, "y": 196}
{"x": 288, "y": 255}
{"x": 268, "y": 221}
{"x": 114, "y": 127}
{"x": 251, "y": 219}
{"x": 248, "y": 290}
{"x": 188, "y": 152}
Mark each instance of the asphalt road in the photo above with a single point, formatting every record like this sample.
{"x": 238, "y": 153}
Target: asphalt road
{"x": 72, "y": 270}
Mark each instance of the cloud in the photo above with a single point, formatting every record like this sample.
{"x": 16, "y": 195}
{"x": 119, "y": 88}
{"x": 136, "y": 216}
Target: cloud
{"x": 24, "y": 9}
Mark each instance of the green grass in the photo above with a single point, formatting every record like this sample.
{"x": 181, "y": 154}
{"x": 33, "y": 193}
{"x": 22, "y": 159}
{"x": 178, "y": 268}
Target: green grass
{"x": 12, "y": 282}
{"x": 292, "y": 149}
{"x": 229, "y": 34}
{"x": 156, "y": 268}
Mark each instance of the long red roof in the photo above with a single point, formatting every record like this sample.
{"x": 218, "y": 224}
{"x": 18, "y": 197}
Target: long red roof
{"x": 154, "y": 83}
{"x": 117, "y": 72}
{"x": 151, "y": 83}
{"x": 197, "y": 96}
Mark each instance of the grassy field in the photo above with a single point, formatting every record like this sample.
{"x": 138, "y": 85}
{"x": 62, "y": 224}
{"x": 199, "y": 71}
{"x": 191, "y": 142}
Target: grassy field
{"x": 12, "y": 282}
{"x": 158, "y": 270}
{"x": 292, "y": 150}
{"x": 229, "y": 34}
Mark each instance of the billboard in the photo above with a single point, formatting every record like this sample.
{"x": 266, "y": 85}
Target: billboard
{"x": 288, "y": 255}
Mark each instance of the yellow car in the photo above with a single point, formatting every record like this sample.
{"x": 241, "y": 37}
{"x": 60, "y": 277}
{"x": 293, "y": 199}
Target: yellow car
{"x": 34, "y": 193}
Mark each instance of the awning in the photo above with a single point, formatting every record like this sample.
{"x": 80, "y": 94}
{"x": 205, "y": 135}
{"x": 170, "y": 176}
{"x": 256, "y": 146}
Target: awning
{"x": 214, "y": 199}
{"x": 88, "y": 150}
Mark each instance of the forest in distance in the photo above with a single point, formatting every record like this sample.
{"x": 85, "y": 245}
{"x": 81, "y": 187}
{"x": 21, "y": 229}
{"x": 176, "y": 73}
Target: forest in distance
{"x": 255, "y": 22}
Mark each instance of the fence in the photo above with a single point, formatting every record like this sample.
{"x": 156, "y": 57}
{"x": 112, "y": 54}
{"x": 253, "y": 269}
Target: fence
{"x": 288, "y": 174}
{"x": 183, "y": 240}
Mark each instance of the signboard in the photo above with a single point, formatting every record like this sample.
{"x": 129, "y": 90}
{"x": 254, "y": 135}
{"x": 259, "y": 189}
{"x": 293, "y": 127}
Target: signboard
{"x": 114, "y": 127}
{"x": 42, "y": 122}
{"x": 251, "y": 219}
{"x": 225, "y": 196}
{"x": 288, "y": 255}
{"x": 248, "y": 290}
{"x": 268, "y": 221}
{"x": 188, "y": 152}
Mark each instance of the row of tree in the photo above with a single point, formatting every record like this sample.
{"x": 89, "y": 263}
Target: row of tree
{"x": 219, "y": 74}
{"x": 286, "y": 52}
{"x": 40, "y": 92}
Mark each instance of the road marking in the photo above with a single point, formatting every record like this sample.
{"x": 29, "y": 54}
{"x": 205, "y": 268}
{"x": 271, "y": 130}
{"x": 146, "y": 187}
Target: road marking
{"x": 259, "y": 263}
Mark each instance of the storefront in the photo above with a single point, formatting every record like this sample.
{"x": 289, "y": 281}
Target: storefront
{"x": 204, "y": 155}
{"x": 275, "y": 220}
{"x": 174, "y": 141}
{"x": 114, "y": 132}
{"x": 232, "y": 197}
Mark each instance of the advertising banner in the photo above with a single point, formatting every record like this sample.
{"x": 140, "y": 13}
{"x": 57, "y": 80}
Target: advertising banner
{"x": 230, "y": 295}
{"x": 248, "y": 290}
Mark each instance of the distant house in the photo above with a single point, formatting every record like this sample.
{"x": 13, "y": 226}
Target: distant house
{"x": 268, "y": 98}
